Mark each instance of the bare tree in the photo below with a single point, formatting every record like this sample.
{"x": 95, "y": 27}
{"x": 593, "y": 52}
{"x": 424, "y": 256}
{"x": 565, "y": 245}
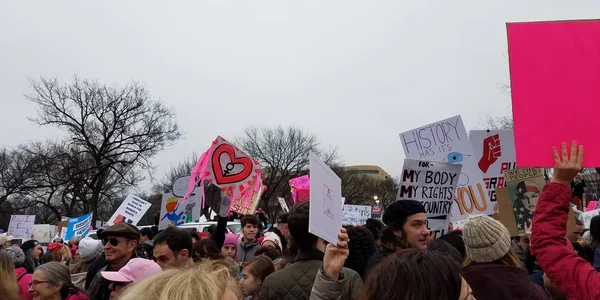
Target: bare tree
{"x": 284, "y": 154}
{"x": 119, "y": 128}
{"x": 497, "y": 123}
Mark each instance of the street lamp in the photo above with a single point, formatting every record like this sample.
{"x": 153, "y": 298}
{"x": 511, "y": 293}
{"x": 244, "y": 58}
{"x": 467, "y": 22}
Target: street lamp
{"x": 376, "y": 199}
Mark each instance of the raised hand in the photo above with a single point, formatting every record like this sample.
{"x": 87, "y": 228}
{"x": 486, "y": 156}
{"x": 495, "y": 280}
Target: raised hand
{"x": 336, "y": 255}
{"x": 491, "y": 152}
{"x": 566, "y": 166}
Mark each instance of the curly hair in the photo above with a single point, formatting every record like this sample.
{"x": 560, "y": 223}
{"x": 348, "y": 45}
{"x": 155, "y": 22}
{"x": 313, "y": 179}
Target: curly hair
{"x": 362, "y": 246}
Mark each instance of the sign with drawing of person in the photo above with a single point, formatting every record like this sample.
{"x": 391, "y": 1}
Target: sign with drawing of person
{"x": 524, "y": 188}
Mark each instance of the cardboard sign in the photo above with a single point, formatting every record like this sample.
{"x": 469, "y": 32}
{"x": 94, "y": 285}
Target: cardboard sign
{"x": 325, "y": 218}
{"x": 300, "y": 188}
{"x": 78, "y": 227}
{"x": 554, "y": 75}
{"x": 376, "y": 212}
{"x": 131, "y": 210}
{"x": 434, "y": 185}
{"x": 363, "y": 211}
{"x": 524, "y": 188}
{"x": 447, "y": 141}
{"x": 495, "y": 153}
{"x": 283, "y": 205}
{"x": 506, "y": 214}
{"x": 21, "y": 226}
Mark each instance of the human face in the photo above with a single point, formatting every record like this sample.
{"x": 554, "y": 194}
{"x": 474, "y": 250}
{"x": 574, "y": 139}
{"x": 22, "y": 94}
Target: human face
{"x": 37, "y": 252}
{"x": 249, "y": 232}
{"x": 5, "y": 245}
{"x": 121, "y": 250}
{"x": 530, "y": 200}
{"x": 575, "y": 236}
{"x": 250, "y": 285}
{"x": 229, "y": 295}
{"x": 285, "y": 231}
{"x": 466, "y": 293}
{"x": 524, "y": 242}
{"x": 416, "y": 231}
{"x": 166, "y": 258}
{"x": 41, "y": 289}
{"x": 228, "y": 251}
{"x": 116, "y": 289}
{"x": 143, "y": 239}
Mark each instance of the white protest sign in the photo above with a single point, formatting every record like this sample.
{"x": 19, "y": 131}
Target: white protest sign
{"x": 325, "y": 218}
{"x": 586, "y": 217}
{"x": 351, "y": 218}
{"x": 433, "y": 184}
{"x": 363, "y": 211}
{"x": 495, "y": 153}
{"x": 44, "y": 233}
{"x": 131, "y": 210}
{"x": 21, "y": 226}
{"x": 447, "y": 141}
{"x": 284, "y": 206}
{"x": 171, "y": 212}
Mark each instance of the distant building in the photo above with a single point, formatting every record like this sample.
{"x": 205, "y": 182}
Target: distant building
{"x": 371, "y": 171}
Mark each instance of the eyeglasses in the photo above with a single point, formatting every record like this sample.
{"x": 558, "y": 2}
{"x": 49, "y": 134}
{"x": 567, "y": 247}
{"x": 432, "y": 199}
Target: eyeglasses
{"x": 113, "y": 241}
{"x": 36, "y": 282}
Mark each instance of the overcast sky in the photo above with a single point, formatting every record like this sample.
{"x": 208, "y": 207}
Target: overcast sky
{"x": 355, "y": 73}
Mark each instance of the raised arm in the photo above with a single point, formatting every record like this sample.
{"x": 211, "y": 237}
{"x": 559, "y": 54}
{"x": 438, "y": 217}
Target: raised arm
{"x": 572, "y": 275}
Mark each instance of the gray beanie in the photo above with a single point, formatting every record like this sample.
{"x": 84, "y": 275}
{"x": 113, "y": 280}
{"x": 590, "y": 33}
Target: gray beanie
{"x": 16, "y": 255}
{"x": 486, "y": 240}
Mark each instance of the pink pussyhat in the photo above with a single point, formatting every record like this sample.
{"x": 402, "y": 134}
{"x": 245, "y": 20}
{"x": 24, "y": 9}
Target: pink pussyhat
{"x": 231, "y": 239}
{"x": 135, "y": 270}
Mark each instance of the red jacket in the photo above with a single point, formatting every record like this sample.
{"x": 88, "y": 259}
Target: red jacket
{"x": 23, "y": 280}
{"x": 573, "y": 276}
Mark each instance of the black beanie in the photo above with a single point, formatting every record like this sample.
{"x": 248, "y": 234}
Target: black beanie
{"x": 29, "y": 245}
{"x": 396, "y": 213}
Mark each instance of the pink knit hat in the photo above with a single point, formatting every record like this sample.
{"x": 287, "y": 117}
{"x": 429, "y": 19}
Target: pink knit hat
{"x": 231, "y": 239}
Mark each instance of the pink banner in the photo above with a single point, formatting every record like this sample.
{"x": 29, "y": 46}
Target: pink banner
{"x": 591, "y": 205}
{"x": 554, "y": 71}
{"x": 300, "y": 187}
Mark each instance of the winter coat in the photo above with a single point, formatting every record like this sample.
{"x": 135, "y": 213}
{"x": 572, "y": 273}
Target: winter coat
{"x": 493, "y": 281}
{"x": 296, "y": 280}
{"x": 376, "y": 258}
{"x": 571, "y": 274}
{"x": 325, "y": 288}
{"x": 98, "y": 287}
{"x": 24, "y": 279}
{"x": 245, "y": 251}
{"x": 78, "y": 295}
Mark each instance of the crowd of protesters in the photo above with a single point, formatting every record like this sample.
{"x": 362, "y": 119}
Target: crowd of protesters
{"x": 393, "y": 259}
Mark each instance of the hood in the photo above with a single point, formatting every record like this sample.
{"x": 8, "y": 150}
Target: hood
{"x": 248, "y": 245}
{"x": 149, "y": 242}
{"x": 495, "y": 281}
{"x": 19, "y": 272}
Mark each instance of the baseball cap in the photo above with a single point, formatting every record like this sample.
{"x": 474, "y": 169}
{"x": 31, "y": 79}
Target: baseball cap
{"x": 123, "y": 230}
{"x": 135, "y": 270}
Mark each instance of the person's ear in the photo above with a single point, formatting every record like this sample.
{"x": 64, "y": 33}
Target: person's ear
{"x": 58, "y": 287}
{"x": 398, "y": 233}
{"x": 132, "y": 245}
{"x": 184, "y": 254}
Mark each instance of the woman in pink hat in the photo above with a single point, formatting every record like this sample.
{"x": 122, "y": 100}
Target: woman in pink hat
{"x": 135, "y": 270}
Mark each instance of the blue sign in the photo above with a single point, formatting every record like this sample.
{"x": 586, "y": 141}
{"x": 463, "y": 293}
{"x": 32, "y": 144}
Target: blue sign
{"x": 79, "y": 227}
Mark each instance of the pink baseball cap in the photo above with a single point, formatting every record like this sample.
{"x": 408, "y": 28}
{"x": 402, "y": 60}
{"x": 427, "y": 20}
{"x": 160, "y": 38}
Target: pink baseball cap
{"x": 135, "y": 270}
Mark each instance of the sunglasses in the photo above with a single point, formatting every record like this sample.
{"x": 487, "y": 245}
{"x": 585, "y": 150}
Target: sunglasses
{"x": 112, "y": 241}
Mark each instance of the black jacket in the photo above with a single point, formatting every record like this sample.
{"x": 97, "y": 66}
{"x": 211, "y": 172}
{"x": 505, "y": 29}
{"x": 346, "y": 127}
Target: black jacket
{"x": 376, "y": 258}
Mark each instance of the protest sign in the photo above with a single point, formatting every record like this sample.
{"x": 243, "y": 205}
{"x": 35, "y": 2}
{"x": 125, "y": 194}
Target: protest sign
{"x": 229, "y": 168}
{"x": 363, "y": 211}
{"x": 130, "y": 211}
{"x": 586, "y": 217}
{"x": 447, "y": 141}
{"x": 21, "y": 226}
{"x": 433, "y": 184}
{"x": 300, "y": 188}
{"x": 351, "y": 218}
{"x": 244, "y": 207}
{"x": 524, "y": 188}
{"x": 592, "y": 205}
{"x": 562, "y": 55}
{"x": 172, "y": 212}
{"x": 325, "y": 218}
{"x": 376, "y": 214}
{"x": 495, "y": 153}
{"x": 283, "y": 204}
{"x": 78, "y": 227}
{"x": 44, "y": 233}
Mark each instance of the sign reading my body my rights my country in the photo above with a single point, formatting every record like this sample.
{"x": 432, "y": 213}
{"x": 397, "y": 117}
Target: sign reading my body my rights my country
{"x": 447, "y": 141}
{"x": 434, "y": 185}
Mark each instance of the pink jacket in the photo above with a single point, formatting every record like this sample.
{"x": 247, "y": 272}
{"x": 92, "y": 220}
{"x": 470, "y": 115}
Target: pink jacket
{"x": 78, "y": 296}
{"x": 24, "y": 280}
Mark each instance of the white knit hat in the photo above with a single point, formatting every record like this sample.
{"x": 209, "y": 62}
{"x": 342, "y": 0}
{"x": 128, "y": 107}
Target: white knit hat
{"x": 89, "y": 249}
{"x": 486, "y": 240}
{"x": 273, "y": 237}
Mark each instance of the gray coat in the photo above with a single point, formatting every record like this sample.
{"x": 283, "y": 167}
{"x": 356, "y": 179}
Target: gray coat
{"x": 245, "y": 251}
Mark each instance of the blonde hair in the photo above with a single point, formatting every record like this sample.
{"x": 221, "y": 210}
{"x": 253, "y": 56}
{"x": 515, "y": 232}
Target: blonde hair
{"x": 509, "y": 259}
{"x": 204, "y": 281}
{"x": 9, "y": 288}
{"x": 552, "y": 291}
